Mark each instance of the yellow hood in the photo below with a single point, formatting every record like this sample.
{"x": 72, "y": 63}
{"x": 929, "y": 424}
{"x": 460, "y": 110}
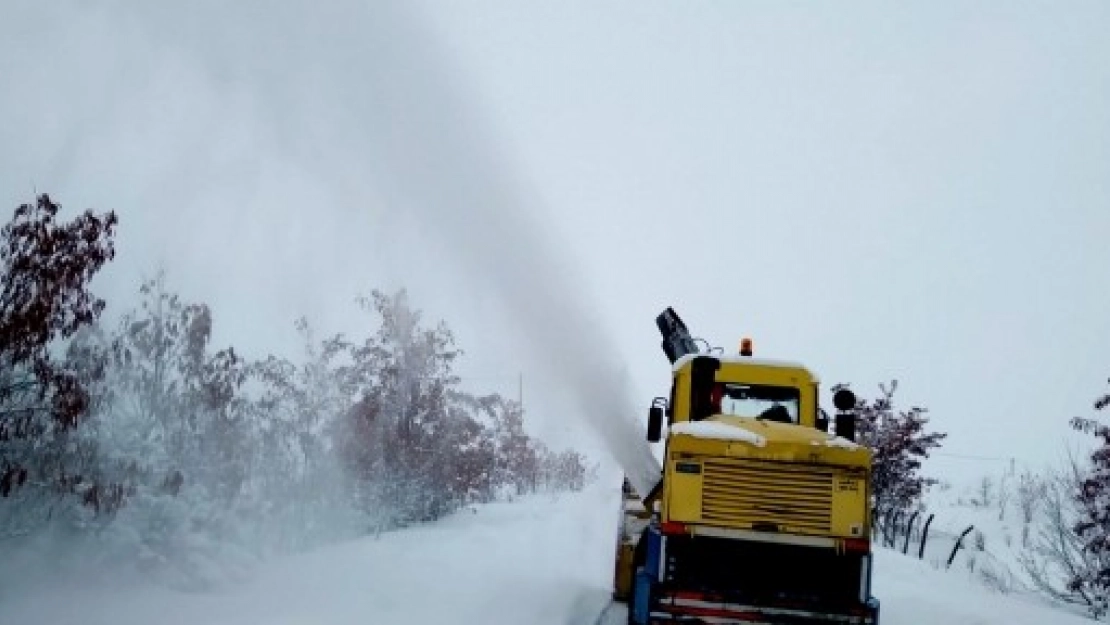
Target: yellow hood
{"x": 727, "y": 435}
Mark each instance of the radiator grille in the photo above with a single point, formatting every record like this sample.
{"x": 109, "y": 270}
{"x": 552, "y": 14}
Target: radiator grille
{"x": 747, "y": 494}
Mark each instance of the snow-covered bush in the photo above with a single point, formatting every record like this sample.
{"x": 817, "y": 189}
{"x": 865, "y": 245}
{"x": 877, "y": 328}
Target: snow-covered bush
{"x": 1069, "y": 556}
{"x": 420, "y": 446}
{"x": 986, "y": 492}
{"x": 1031, "y": 493}
{"x": 1057, "y": 561}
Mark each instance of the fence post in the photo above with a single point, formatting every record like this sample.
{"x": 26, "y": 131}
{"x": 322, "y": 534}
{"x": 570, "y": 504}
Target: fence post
{"x": 894, "y": 529}
{"x": 956, "y": 547}
{"x": 893, "y": 535}
{"x": 909, "y": 530}
{"x": 924, "y": 537}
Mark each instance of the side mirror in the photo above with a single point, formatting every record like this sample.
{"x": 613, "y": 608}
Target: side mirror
{"x": 655, "y": 420}
{"x": 846, "y": 426}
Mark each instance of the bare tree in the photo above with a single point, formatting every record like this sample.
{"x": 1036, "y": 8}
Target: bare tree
{"x": 1004, "y": 496}
{"x": 1031, "y": 492}
{"x": 986, "y": 491}
{"x": 1057, "y": 561}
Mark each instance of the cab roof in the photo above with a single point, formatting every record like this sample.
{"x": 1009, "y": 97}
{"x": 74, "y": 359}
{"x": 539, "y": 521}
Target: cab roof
{"x": 733, "y": 359}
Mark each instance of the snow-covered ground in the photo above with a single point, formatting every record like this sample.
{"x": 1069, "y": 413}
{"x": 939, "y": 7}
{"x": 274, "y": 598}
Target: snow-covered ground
{"x": 544, "y": 559}
{"x": 1009, "y": 514}
{"x": 914, "y": 593}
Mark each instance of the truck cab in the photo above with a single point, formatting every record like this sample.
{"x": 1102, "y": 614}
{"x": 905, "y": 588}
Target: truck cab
{"x": 761, "y": 513}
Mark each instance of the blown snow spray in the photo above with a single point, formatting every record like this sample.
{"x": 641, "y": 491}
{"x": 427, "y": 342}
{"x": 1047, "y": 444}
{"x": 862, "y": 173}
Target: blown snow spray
{"x": 436, "y": 162}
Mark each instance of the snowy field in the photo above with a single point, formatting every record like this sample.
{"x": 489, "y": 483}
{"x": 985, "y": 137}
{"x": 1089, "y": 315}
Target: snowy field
{"x": 542, "y": 560}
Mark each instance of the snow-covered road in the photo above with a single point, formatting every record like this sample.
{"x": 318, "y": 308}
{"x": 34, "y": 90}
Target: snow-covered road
{"x": 543, "y": 560}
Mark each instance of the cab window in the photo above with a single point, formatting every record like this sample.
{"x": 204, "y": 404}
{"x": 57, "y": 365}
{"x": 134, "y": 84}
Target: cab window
{"x": 774, "y": 403}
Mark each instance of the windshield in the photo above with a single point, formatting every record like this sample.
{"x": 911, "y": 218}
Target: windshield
{"x": 776, "y": 403}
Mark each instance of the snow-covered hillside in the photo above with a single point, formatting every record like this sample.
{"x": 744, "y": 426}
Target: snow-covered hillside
{"x": 1014, "y": 522}
{"x": 541, "y": 560}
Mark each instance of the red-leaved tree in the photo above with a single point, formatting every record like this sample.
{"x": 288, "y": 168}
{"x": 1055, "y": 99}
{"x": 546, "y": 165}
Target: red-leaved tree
{"x": 46, "y": 264}
{"x": 899, "y": 441}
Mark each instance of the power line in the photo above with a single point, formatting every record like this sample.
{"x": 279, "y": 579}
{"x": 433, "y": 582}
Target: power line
{"x": 975, "y": 457}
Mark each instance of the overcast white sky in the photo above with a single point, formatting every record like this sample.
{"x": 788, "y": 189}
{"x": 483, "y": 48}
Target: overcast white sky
{"x": 917, "y": 191}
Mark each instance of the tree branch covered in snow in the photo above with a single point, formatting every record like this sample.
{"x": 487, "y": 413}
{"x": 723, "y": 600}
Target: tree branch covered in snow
{"x": 1091, "y": 494}
{"x": 1056, "y": 557}
{"x": 420, "y": 445}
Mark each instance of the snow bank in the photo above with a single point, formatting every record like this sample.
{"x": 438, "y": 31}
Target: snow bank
{"x": 544, "y": 561}
{"x": 717, "y": 430}
{"x": 914, "y": 593}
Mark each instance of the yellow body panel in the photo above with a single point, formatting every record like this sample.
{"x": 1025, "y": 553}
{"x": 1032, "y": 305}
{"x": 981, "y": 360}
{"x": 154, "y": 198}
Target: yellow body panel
{"x": 684, "y": 502}
{"x": 748, "y": 474}
{"x": 781, "y": 441}
{"x": 752, "y": 372}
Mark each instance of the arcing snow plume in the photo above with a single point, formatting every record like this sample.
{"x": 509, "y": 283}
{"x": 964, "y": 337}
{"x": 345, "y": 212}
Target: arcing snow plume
{"x": 435, "y": 160}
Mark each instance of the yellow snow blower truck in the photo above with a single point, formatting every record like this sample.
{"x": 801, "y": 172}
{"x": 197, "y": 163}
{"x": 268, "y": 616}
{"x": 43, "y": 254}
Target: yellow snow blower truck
{"x": 761, "y": 515}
